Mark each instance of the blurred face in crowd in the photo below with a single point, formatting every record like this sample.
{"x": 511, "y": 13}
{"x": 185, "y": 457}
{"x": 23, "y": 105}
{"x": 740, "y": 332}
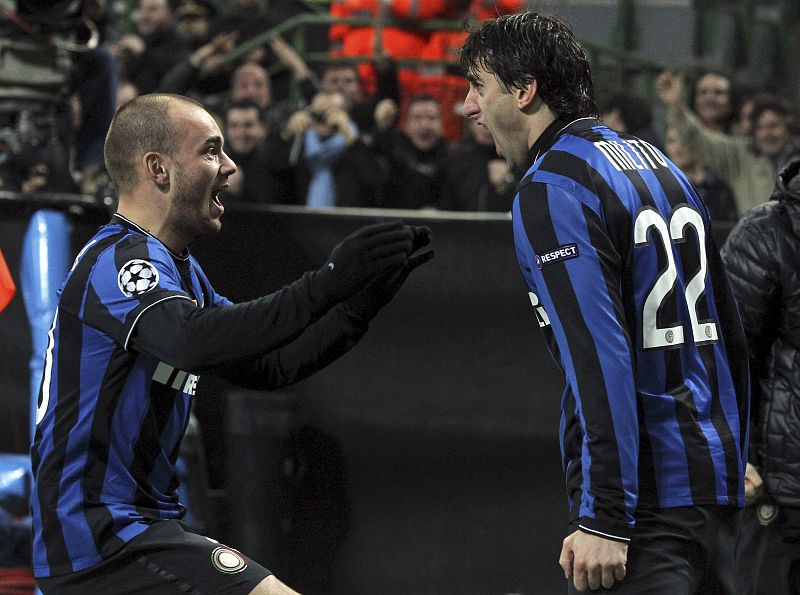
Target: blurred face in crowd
{"x": 194, "y": 28}
{"x": 712, "y": 99}
{"x": 342, "y": 80}
{"x": 153, "y": 17}
{"x": 746, "y": 117}
{"x": 322, "y": 108}
{"x": 676, "y": 151}
{"x": 125, "y": 92}
{"x": 424, "y": 124}
{"x": 771, "y": 133}
{"x": 244, "y": 129}
{"x": 251, "y": 81}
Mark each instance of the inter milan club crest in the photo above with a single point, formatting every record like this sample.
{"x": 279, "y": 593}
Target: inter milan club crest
{"x": 228, "y": 560}
{"x": 137, "y": 277}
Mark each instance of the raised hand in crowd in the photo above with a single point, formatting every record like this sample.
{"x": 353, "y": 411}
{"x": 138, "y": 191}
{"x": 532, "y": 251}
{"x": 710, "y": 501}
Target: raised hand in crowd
{"x": 669, "y": 86}
{"x": 338, "y": 120}
{"x": 298, "y": 123}
{"x": 335, "y": 119}
{"x": 128, "y": 44}
{"x": 291, "y": 59}
{"x": 208, "y": 57}
{"x": 385, "y": 115}
{"x": 500, "y": 175}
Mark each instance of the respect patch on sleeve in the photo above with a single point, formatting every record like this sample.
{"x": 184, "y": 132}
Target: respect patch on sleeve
{"x": 559, "y": 254}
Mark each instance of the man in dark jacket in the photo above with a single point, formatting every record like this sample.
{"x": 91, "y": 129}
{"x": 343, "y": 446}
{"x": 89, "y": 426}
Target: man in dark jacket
{"x": 762, "y": 256}
{"x": 262, "y": 170}
{"x": 414, "y": 157}
{"x": 146, "y": 57}
{"x": 474, "y": 178}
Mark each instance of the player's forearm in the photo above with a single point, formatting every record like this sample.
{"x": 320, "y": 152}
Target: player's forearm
{"x": 605, "y": 508}
{"x": 609, "y": 519}
{"x": 599, "y": 504}
{"x": 607, "y": 528}
{"x": 608, "y": 442}
{"x": 320, "y": 344}
{"x": 192, "y": 338}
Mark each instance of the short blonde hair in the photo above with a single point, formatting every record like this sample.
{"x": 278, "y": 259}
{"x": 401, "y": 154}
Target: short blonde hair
{"x": 142, "y": 125}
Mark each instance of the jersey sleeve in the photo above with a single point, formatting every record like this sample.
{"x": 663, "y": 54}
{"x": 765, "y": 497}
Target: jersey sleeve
{"x": 128, "y": 278}
{"x": 569, "y": 261}
{"x": 319, "y": 345}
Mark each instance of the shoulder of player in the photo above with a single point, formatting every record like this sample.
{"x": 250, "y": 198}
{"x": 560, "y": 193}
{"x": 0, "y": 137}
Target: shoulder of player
{"x": 556, "y": 169}
{"x": 137, "y": 245}
{"x": 128, "y": 249}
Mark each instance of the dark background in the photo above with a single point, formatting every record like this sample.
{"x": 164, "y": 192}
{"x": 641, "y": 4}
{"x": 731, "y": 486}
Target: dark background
{"x": 425, "y": 460}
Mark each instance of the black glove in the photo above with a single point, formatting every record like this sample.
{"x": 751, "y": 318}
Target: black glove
{"x": 366, "y": 304}
{"x": 422, "y": 236}
{"x": 365, "y": 254}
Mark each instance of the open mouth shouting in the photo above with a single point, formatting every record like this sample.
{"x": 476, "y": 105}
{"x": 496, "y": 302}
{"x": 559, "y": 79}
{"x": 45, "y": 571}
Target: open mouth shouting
{"x": 216, "y": 200}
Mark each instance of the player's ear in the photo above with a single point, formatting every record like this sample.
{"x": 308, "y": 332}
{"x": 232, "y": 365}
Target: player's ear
{"x": 155, "y": 168}
{"x": 526, "y": 95}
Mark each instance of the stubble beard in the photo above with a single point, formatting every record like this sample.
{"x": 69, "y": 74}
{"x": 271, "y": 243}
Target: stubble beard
{"x": 194, "y": 219}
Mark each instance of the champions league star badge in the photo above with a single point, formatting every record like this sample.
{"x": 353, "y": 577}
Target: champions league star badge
{"x": 228, "y": 560}
{"x": 137, "y": 277}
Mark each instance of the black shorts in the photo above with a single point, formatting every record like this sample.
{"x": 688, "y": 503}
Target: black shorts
{"x": 165, "y": 559}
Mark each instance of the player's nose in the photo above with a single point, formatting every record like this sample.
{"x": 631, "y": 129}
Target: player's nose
{"x": 471, "y": 108}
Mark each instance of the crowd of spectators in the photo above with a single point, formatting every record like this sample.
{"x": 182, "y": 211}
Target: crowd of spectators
{"x": 382, "y": 131}
{"x": 375, "y": 134}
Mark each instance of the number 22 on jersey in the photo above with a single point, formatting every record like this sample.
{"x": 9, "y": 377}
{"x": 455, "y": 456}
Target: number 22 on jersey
{"x": 649, "y": 221}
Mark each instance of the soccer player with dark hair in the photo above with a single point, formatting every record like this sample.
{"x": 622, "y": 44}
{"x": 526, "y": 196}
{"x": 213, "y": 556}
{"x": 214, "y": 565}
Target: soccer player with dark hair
{"x": 616, "y": 249}
{"x": 137, "y": 322}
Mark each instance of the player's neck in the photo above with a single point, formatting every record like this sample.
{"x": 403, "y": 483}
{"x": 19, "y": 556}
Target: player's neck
{"x": 539, "y": 121}
{"x": 155, "y": 222}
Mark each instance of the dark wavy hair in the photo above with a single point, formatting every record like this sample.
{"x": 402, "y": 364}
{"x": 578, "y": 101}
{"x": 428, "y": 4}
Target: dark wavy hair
{"x": 521, "y": 48}
{"x": 768, "y": 102}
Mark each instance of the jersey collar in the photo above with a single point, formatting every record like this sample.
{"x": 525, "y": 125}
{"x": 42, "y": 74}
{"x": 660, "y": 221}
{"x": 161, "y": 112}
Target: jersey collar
{"x": 550, "y": 135}
{"x": 118, "y": 219}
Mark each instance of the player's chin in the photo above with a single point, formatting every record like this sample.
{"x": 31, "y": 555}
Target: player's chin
{"x": 211, "y": 224}
{"x": 215, "y": 215}
{"x": 215, "y": 224}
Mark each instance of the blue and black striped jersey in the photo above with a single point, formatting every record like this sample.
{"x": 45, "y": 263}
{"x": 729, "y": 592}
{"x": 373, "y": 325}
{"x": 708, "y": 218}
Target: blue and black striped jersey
{"x": 110, "y": 419}
{"x": 626, "y": 282}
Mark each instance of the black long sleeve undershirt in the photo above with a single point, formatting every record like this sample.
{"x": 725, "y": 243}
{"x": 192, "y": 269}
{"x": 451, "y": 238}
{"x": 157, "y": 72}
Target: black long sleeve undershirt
{"x": 194, "y": 338}
{"x": 320, "y": 345}
{"x": 261, "y": 344}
